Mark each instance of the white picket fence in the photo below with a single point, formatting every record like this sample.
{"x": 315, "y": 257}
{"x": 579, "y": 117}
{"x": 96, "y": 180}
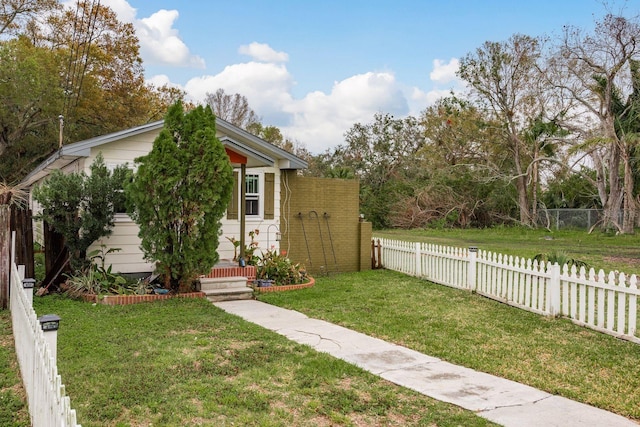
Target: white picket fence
{"x": 606, "y": 303}
{"x": 48, "y": 405}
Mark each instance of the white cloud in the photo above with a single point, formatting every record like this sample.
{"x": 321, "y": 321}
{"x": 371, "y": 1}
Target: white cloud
{"x": 320, "y": 120}
{"x": 160, "y": 42}
{"x": 445, "y": 82}
{"x": 444, "y": 72}
{"x": 267, "y": 87}
{"x": 419, "y": 100}
{"x": 122, "y": 8}
{"x": 263, "y": 52}
{"x": 162, "y": 80}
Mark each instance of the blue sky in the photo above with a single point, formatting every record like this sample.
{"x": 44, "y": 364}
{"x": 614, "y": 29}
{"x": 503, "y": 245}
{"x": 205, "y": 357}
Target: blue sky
{"x": 315, "y": 68}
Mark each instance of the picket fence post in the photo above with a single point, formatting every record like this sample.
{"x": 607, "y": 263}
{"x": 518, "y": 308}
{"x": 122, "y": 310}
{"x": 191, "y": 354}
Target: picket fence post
{"x": 553, "y": 291}
{"x": 418, "y": 271}
{"x": 472, "y": 268}
{"x": 27, "y": 286}
{"x": 50, "y": 324}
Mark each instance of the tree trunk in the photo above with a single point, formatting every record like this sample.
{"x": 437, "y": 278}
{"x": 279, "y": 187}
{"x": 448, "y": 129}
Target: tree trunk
{"x": 600, "y": 183}
{"x": 614, "y": 198}
{"x": 521, "y": 182}
{"x": 535, "y": 179}
{"x": 629, "y": 200}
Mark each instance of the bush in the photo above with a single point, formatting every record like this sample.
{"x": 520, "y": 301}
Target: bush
{"x": 80, "y": 207}
{"x": 280, "y": 269}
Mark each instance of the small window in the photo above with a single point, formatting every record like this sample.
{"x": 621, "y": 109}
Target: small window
{"x": 122, "y": 174}
{"x": 252, "y": 195}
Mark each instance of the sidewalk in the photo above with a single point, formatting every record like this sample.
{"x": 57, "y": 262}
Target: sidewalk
{"x": 502, "y": 401}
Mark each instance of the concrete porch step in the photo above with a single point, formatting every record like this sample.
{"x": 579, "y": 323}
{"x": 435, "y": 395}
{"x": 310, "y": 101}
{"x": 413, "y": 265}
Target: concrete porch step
{"x": 228, "y": 294}
{"x": 212, "y": 283}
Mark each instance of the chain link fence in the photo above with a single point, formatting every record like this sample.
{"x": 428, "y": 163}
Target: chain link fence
{"x": 557, "y": 219}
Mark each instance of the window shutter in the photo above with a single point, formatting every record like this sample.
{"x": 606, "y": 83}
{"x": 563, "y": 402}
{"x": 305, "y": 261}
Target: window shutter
{"x": 269, "y": 195}
{"x": 232, "y": 209}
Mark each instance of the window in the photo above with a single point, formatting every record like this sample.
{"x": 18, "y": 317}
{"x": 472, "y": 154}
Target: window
{"x": 122, "y": 174}
{"x": 252, "y": 195}
{"x": 259, "y": 196}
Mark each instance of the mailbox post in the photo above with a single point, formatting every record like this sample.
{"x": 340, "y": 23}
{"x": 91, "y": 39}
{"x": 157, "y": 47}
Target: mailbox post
{"x": 49, "y": 324}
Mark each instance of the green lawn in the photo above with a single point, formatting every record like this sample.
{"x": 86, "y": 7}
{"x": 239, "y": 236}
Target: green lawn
{"x": 599, "y": 250}
{"x": 185, "y": 362}
{"x": 13, "y": 409}
{"x": 463, "y": 328}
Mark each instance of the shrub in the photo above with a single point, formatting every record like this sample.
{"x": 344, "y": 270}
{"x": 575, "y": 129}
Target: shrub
{"x": 80, "y": 207}
{"x": 280, "y": 269}
{"x": 250, "y": 249}
{"x": 179, "y": 195}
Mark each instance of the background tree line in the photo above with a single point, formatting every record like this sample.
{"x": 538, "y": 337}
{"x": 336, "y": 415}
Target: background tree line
{"x": 546, "y": 122}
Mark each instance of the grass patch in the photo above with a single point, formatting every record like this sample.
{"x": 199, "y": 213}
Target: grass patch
{"x": 13, "y": 407}
{"x": 185, "y": 362}
{"x": 550, "y": 354}
{"x": 600, "y": 250}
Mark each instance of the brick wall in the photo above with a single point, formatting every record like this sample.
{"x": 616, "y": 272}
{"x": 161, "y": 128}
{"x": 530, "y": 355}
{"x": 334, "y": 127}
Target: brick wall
{"x": 320, "y": 224}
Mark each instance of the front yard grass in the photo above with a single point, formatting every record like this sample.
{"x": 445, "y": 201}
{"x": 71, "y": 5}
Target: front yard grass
{"x": 13, "y": 409}
{"x": 185, "y": 362}
{"x": 550, "y": 354}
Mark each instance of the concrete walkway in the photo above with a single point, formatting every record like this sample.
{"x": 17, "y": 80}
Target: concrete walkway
{"x": 497, "y": 399}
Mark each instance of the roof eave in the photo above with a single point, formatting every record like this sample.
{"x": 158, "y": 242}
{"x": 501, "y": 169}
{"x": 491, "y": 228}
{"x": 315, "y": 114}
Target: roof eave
{"x": 292, "y": 161}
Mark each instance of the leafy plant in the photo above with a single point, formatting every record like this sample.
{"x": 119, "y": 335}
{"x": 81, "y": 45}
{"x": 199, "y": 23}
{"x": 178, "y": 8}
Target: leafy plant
{"x": 277, "y": 267}
{"x": 83, "y": 283}
{"x": 560, "y": 257}
{"x": 97, "y": 278}
{"x": 249, "y": 250}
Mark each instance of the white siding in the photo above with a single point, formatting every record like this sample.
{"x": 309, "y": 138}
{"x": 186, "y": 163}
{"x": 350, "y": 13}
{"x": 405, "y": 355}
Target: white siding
{"x": 129, "y": 258}
{"x": 125, "y": 150}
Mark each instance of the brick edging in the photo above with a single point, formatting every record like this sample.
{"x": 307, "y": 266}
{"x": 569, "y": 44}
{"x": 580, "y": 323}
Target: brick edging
{"x": 134, "y": 299}
{"x": 277, "y": 288}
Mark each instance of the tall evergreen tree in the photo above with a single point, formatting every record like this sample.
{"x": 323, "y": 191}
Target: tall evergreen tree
{"x": 179, "y": 194}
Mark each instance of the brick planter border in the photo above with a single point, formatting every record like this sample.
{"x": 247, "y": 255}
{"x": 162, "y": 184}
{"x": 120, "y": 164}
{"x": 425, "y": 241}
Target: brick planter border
{"x": 134, "y": 299}
{"x": 276, "y": 288}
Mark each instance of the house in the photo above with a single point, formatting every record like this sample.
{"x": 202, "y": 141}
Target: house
{"x": 316, "y": 221}
{"x": 261, "y": 163}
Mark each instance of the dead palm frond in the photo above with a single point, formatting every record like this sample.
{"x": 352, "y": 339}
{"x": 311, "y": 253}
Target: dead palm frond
{"x": 13, "y": 195}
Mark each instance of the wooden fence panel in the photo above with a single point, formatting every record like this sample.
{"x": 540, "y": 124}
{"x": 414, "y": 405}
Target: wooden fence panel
{"x": 22, "y": 225}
